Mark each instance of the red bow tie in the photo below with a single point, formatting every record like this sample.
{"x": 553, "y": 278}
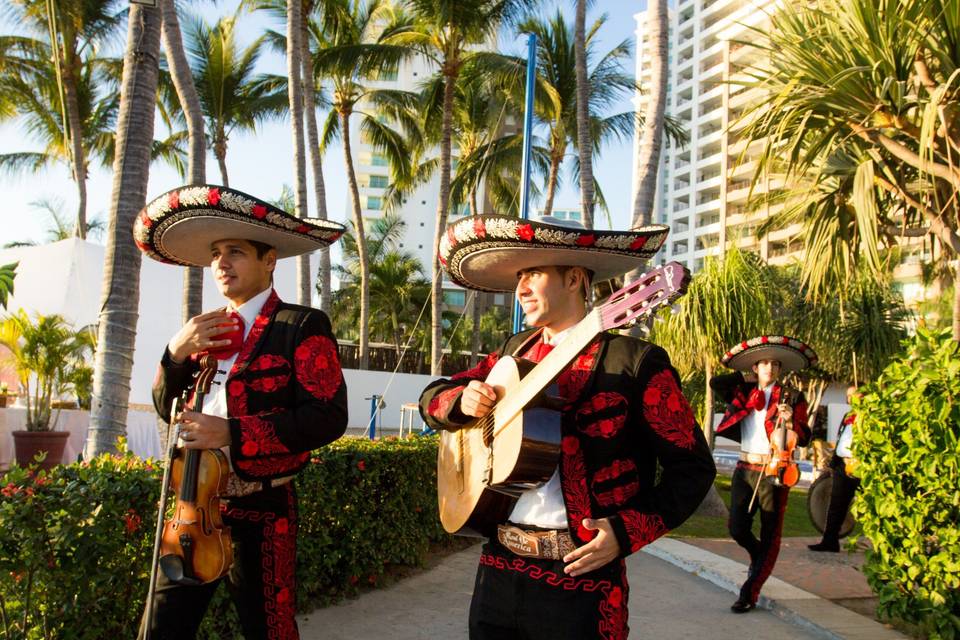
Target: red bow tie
{"x": 538, "y": 351}
{"x": 235, "y": 336}
{"x": 757, "y": 400}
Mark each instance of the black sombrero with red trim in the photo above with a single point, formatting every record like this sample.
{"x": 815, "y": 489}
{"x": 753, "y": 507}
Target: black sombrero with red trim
{"x": 180, "y": 226}
{"x": 792, "y": 354}
{"x": 485, "y": 252}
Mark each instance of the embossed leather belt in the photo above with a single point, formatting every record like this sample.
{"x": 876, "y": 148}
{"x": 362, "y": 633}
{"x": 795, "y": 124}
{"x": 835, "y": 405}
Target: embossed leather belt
{"x": 753, "y": 458}
{"x": 550, "y": 545}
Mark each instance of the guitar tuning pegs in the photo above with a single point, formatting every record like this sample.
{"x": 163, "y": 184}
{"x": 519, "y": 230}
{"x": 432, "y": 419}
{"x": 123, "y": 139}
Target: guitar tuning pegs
{"x": 221, "y": 371}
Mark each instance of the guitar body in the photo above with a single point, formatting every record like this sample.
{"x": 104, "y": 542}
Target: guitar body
{"x": 479, "y": 475}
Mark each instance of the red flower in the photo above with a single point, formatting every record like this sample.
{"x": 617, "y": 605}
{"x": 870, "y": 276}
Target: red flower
{"x": 235, "y": 388}
{"x": 586, "y": 240}
{"x": 354, "y": 580}
{"x": 173, "y": 199}
{"x": 570, "y": 445}
{"x": 213, "y": 197}
{"x": 249, "y": 448}
{"x": 131, "y": 521}
{"x": 362, "y": 465}
{"x": 281, "y": 526}
{"x": 764, "y": 339}
{"x": 525, "y": 232}
{"x": 259, "y": 211}
{"x": 10, "y": 490}
{"x": 616, "y": 597}
{"x": 638, "y": 242}
{"x": 372, "y": 579}
{"x": 145, "y": 220}
{"x": 479, "y": 228}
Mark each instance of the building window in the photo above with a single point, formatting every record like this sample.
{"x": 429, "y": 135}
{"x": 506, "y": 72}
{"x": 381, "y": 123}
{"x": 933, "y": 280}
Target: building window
{"x": 379, "y": 160}
{"x": 455, "y": 298}
{"x": 374, "y": 202}
{"x": 379, "y": 182}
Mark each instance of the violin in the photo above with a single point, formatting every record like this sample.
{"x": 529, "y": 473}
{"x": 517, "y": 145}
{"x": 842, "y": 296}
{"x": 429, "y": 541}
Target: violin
{"x": 781, "y": 469}
{"x": 195, "y": 546}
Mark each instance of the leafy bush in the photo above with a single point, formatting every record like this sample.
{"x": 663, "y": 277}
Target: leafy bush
{"x": 908, "y": 443}
{"x": 75, "y": 542}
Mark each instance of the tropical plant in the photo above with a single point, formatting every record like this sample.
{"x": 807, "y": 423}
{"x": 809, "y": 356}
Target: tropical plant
{"x": 874, "y": 82}
{"x": 232, "y": 96}
{"x": 445, "y": 33}
{"x": 73, "y": 31}
{"x": 117, "y": 325}
{"x": 60, "y": 228}
{"x": 355, "y": 50}
{"x": 7, "y": 274}
{"x": 48, "y": 356}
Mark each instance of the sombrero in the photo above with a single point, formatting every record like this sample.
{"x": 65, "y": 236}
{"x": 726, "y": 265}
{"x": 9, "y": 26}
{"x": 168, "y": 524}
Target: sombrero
{"x": 179, "y": 226}
{"x": 485, "y": 252}
{"x": 792, "y": 354}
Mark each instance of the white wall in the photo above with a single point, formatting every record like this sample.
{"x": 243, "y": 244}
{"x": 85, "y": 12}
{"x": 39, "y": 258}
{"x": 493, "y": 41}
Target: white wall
{"x": 405, "y": 387}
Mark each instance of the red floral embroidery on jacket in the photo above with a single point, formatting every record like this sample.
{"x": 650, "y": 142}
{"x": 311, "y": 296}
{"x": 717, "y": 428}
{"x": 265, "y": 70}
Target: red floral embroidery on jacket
{"x": 256, "y": 330}
{"x": 318, "y": 366}
{"x": 667, "y": 411}
{"x": 269, "y": 383}
{"x": 272, "y": 466}
{"x": 613, "y": 405}
{"x": 573, "y": 479}
{"x": 615, "y": 470}
{"x": 618, "y": 495}
{"x": 642, "y": 528}
{"x": 258, "y": 438}
{"x": 574, "y": 379}
{"x": 441, "y": 403}
{"x": 480, "y": 371}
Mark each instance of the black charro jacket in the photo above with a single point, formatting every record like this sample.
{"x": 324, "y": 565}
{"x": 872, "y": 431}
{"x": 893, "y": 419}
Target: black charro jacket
{"x": 735, "y": 391}
{"x": 285, "y": 392}
{"x": 625, "y": 415}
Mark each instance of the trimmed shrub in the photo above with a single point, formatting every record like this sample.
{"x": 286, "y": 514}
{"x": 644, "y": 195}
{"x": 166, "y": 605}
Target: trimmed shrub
{"x": 75, "y": 542}
{"x": 907, "y": 440}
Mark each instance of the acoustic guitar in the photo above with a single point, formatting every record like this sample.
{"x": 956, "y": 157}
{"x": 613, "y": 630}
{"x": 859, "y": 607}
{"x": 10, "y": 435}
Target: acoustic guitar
{"x": 483, "y": 467}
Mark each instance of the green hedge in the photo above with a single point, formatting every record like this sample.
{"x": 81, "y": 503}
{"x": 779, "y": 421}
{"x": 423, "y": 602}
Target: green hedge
{"x": 75, "y": 544}
{"x": 907, "y": 439}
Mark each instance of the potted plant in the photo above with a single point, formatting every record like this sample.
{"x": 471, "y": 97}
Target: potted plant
{"x": 45, "y": 353}
{"x": 4, "y": 394}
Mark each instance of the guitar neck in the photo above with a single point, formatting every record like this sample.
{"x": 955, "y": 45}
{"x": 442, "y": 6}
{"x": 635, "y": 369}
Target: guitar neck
{"x": 550, "y": 367}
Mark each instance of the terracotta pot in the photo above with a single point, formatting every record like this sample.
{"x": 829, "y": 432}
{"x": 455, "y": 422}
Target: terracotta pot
{"x": 27, "y": 444}
{"x": 3, "y": 400}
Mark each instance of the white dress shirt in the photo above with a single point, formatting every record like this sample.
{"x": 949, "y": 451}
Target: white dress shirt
{"x": 845, "y": 441}
{"x": 753, "y": 434}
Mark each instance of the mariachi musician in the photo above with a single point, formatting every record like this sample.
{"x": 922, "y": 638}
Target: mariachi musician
{"x": 755, "y": 404}
{"x": 555, "y": 568}
{"x": 280, "y": 392}
{"x": 844, "y": 484}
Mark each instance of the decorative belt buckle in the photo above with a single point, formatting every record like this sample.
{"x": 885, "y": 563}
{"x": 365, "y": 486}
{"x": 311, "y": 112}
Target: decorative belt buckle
{"x": 519, "y": 542}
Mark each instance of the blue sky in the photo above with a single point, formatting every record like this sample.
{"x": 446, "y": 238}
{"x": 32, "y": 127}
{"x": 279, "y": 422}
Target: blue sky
{"x": 261, "y": 163}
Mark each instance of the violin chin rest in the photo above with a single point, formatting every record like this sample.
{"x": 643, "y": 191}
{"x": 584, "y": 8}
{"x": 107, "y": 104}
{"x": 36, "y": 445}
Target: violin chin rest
{"x": 172, "y": 567}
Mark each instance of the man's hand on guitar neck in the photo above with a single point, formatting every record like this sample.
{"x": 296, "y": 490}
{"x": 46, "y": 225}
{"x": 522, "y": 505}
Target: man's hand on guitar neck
{"x": 597, "y": 553}
{"x": 477, "y": 399}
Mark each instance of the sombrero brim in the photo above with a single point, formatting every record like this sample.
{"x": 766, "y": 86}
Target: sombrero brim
{"x": 485, "y": 252}
{"x": 180, "y": 226}
{"x": 792, "y": 354}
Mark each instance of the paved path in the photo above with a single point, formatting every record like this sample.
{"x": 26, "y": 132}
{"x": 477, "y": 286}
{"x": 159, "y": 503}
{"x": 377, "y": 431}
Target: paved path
{"x": 666, "y": 602}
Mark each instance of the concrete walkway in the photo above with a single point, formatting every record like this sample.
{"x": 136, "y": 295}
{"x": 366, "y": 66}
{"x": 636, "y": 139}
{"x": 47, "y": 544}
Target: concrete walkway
{"x": 665, "y": 602}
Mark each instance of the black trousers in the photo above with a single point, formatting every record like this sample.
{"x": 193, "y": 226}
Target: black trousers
{"x": 842, "y": 491}
{"x": 529, "y": 598}
{"x": 772, "y": 503}
{"x": 261, "y": 581}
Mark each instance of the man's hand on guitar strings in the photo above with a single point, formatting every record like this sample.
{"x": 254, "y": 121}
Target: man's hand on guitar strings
{"x": 597, "y": 553}
{"x": 477, "y": 399}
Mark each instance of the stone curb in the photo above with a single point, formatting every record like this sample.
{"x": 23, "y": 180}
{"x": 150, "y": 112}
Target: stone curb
{"x": 790, "y": 603}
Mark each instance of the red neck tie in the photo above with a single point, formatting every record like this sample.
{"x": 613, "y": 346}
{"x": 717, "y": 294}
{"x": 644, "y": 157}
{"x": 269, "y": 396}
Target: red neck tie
{"x": 538, "y": 351}
{"x": 235, "y": 337}
{"x": 758, "y": 400}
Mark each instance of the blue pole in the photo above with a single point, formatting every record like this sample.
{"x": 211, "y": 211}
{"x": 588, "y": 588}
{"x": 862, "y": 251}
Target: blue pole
{"x": 372, "y": 427}
{"x": 527, "y": 140}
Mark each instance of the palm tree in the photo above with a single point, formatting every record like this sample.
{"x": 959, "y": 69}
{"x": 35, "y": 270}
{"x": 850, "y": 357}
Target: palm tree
{"x": 74, "y": 29}
{"x": 182, "y": 78}
{"x": 117, "y": 325}
{"x": 648, "y": 155}
{"x": 233, "y": 98}
{"x": 557, "y": 69}
{"x": 584, "y": 145}
{"x": 834, "y": 95}
{"x": 60, "y": 228}
{"x": 8, "y": 273}
{"x": 353, "y": 52}
{"x": 445, "y": 33}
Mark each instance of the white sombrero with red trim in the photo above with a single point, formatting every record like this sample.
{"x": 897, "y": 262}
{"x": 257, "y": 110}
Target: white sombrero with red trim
{"x": 485, "y": 252}
{"x": 792, "y": 354}
{"x": 180, "y": 226}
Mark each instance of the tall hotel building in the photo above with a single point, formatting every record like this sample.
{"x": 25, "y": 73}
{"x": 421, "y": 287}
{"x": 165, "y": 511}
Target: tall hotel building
{"x": 703, "y": 186}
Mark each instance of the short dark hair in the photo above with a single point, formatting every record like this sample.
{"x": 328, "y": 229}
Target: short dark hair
{"x": 260, "y": 247}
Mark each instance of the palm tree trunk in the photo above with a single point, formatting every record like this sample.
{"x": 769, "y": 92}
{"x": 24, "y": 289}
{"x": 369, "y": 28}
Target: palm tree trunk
{"x": 361, "y": 238}
{"x": 651, "y": 140}
{"x": 295, "y": 92}
{"x": 192, "y": 302}
{"x": 117, "y": 327}
{"x": 316, "y": 161}
{"x": 436, "y": 323}
{"x": 555, "y": 159}
{"x": 584, "y": 144}
{"x": 75, "y": 128}
{"x": 220, "y": 151}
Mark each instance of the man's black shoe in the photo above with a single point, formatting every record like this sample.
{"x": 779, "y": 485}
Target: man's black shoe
{"x": 825, "y": 546}
{"x": 742, "y": 606}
